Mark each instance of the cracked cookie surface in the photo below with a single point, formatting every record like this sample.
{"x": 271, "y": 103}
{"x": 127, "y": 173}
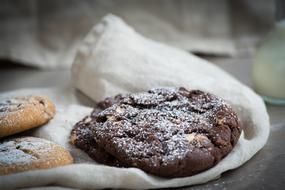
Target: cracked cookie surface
{"x": 166, "y": 132}
{"x": 22, "y": 113}
{"x": 30, "y": 153}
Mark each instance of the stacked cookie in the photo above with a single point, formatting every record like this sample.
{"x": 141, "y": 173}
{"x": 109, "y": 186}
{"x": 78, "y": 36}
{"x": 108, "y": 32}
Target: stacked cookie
{"x": 27, "y": 153}
{"x": 167, "y": 132}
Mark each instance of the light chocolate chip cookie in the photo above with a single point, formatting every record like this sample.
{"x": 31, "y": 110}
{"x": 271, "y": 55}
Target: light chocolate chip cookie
{"x": 22, "y": 113}
{"x": 31, "y": 153}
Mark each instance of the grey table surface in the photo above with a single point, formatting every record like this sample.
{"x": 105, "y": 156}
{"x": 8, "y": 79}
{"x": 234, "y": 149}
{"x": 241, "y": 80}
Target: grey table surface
{"x": 266, "y": 170}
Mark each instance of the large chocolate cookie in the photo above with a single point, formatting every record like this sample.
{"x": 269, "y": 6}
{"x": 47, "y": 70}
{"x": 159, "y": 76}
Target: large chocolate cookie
{"x": 166, "y": 132}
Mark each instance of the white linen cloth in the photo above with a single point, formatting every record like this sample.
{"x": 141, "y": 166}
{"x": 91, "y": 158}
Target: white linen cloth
{"x": 115, "y": 59}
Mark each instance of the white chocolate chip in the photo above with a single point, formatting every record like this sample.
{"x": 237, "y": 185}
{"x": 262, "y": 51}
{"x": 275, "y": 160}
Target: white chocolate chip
{"x": 87, "y": 120}
{"x": 119, "y": 110}
{"x": 202, "y": 139}
{"x": 190, "y": 137}
{"x": 73, "y": 138}
{"x": 111, "y": 118}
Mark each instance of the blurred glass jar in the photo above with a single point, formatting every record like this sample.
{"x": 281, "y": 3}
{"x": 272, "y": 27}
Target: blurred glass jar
{"x": 269, "y": 67}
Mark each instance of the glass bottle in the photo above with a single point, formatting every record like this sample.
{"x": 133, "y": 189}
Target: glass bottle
{"x": 269, "y": 67}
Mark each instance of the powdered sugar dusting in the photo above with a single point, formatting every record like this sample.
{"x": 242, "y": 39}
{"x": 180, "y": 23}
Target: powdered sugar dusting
{"x": 13, "y": 104}
{"x": 23, "y": 150}
{"x": 157, "y": 123}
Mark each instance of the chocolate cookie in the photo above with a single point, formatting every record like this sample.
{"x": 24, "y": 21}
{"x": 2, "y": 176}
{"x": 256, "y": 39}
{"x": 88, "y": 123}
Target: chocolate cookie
{"x": 166, "y": 132}
{"x": 22, "y": 113}
{"x": 30, "y": 153}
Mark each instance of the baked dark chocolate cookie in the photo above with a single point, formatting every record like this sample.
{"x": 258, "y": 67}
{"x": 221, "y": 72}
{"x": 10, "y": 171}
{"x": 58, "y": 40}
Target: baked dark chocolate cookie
{"x": 165, "y": 132}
